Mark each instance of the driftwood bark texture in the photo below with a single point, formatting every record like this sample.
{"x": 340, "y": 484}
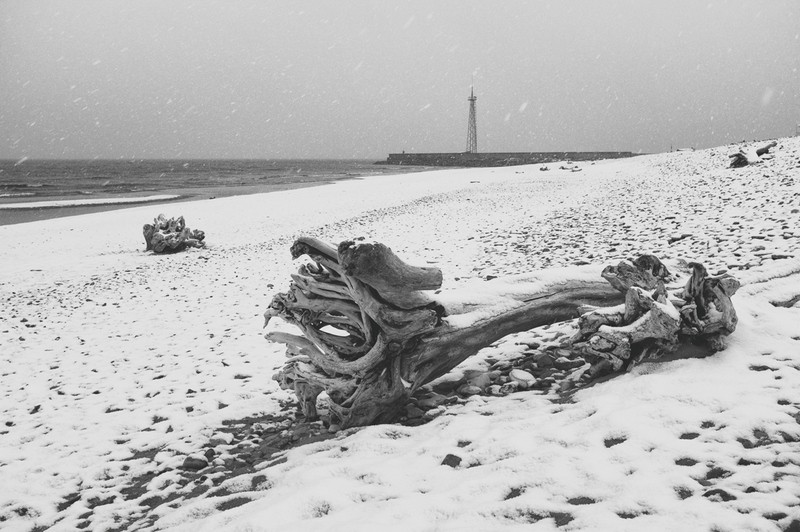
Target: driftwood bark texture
{"x": 171, "y": 235}
{"x": 372, "y": 334}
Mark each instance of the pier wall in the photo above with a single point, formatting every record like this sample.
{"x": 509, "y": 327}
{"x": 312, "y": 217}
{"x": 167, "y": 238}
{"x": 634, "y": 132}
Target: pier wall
{"x": 499, "y": 159}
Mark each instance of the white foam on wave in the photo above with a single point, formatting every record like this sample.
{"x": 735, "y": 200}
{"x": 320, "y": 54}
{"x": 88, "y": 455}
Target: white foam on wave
{"x": 82, "y": 202}
{"x": 15, "y": 194}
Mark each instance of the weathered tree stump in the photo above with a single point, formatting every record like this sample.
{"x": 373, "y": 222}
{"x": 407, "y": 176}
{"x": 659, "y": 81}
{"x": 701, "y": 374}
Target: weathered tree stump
{"x": 372, "y": 333}
{"x": 170, "y": 236}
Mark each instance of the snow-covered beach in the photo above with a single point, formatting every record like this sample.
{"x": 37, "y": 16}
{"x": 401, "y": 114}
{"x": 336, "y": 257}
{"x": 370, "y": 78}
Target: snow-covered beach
{"x": 117, "y": 365}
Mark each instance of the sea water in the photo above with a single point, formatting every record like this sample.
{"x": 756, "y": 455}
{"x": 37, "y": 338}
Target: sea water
{"x": 34, "y": 180}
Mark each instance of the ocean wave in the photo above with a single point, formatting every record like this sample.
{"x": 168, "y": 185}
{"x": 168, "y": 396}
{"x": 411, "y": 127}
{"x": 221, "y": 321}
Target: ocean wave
{"x": 16, "y": 194}
{"x": 86, "y": 202}
{"x": 87, "y": 179}
{"x": 25, "y": 185}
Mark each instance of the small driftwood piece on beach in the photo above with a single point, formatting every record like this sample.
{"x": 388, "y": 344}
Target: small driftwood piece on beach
{"x": 750, "y": 155}
{"x": 171, "y": 235}
{"x": 372, "y": 333}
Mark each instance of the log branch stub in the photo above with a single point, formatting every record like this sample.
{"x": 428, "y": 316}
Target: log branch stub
{"x": 646, "y": 272}
{"x": 396, "y": 282}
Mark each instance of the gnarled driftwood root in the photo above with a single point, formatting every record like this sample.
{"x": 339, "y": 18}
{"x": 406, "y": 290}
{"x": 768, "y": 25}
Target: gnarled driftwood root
{"x": 652, "y": 322}
{"x": 372, "y": 334}
{"x": 171, "y": 235}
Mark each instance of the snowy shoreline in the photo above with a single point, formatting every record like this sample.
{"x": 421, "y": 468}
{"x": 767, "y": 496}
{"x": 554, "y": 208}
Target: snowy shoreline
{"x": 110, "y": 354}
{"x": 85, "y": 202}
{"x": 30, "y": 211}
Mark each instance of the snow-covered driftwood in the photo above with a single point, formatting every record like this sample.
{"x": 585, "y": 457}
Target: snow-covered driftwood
{"x": 750, "y": 155}
{"x": 170, "y": 235}
{"x": 373, "y": 334}
{"x": 652, "y": 322}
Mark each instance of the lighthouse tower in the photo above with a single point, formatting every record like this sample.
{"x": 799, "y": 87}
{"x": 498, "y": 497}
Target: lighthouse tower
{"x": 472, "y": 127}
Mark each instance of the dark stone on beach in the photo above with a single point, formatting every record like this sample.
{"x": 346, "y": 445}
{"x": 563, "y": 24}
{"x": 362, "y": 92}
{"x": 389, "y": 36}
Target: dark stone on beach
{"x": 451, "y": 460}
{"x": 567, "y": 363}
{"x": 94, "y": 502}
{"x": 561, "y": 518}
{"x": 719, "y": 495}
{"x": 543, "y": 360}
{"x": 717, "y": 472}
{"x": 515, "y": 492}
{"x": 431, "y": 401}
{"x": 469, "y": 389}
{"x": 501, "y": 365}
{"x": 412, "y": 412}
{"x": 194, "y": 463}
{"x": 447, "y": 387}
{"x": 545, "y": 373}
{"x": 794, "y": 526}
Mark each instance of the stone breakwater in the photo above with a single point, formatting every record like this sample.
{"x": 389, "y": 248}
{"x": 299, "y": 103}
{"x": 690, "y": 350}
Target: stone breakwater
{"x": 499, "y": 159}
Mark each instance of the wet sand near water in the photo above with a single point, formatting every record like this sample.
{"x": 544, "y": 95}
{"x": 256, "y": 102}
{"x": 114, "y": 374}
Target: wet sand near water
{"x": 19, "y": 216}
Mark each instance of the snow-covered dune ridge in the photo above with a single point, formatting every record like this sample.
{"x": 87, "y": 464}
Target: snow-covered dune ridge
{"x": 117, "y": 365}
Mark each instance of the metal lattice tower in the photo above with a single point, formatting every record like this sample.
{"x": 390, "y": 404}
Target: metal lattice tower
{"x": 472, "y": 127}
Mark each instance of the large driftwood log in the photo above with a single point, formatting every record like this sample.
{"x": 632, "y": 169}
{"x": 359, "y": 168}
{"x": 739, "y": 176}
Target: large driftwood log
{"x": 372, "y": 334}
{"x": 171, "y": 235}
{"x": 750, "y": 155}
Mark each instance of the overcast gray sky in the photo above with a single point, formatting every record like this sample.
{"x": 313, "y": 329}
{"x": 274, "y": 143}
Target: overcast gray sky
{"x": 361, "y": 79}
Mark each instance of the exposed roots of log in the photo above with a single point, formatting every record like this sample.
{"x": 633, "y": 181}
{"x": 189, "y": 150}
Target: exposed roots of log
{"x": 359, "y": 307}
{"x": 169, "y": 236}
{"x": 372, "y": 334}
{"x": 652, "y": 322}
